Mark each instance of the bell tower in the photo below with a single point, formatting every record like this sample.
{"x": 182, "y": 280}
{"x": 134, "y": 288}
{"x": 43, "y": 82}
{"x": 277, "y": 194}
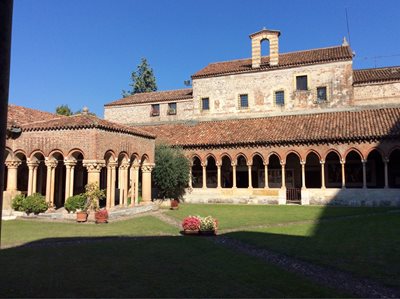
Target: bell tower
{"x": 256, "y": 38}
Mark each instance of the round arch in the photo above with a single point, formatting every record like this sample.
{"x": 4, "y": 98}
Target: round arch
{"x": 375, "y": 169}
{"x": 274, "y": 171}
{"x": 197, "y": 172}
{"x": 313, "y": 175}
{"x": 353, "y": 169}
{"x": 211, "y": 171}
{"x": 226, "y": 171}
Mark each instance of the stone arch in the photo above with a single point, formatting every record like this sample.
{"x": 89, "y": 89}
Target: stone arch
{"x": 274, "y": 171}
{"x": 333, "y": 169}
{"x": 211, "y": 171}
{"x": 273, "y": 154}
{"x": 257, "y": 171}
{"x": 378, "y": 149}
{"x": 145, "y": 159}
{"x": 393, "y": 168}
{"x": 210, "y": 155}
{"x": 79, "y": 175}
{"x": 292, "y": 152}
{"x": 39, "y": 181}
{"x": 22, "y": 171}
{"x": 239, "y": 155}
{"x": 122, "y": 177}
{"x": 353, "y": 149}
{"x": 315, "y": 152}
{"x": 259, "y": 155}
{"x": 293, "y": 178}
{"x": 226, "y": 171}
{"x": 56, "y": 153}
{"x": 392, "y": 150}
{"x": 353, "y": 169}
{"x": 225, "y": 154}
{"x": 375, "y": 169}
{"x": 195, "y": 156}
{"x": 75, "y": 152}
{"x": 59, "y": 177}
{"x": 110, "y": 156}
{"x": 313, "y": 177}
{"x": 197, "y": 172}
{"x": 242, "y": 173}
{"x": 332, "y": 150}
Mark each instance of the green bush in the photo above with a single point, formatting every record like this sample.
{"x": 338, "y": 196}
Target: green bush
{"x": 76, "y": 202}
{"x": 171, "y": 173}
{"x": 34, "y": 203}
{"x": 17, "y": 202}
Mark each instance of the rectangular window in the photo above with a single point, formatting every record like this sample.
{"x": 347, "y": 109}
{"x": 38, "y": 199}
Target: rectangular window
{"x": 171, "y": 109}
{"x": 321, "y": 94}
{"x": 280, "y": 98}
{"x": 301, "y": 83}
{"x": 205, "y": 104}
{"x": 244, "y": 101}
{"x": 155, "y": 110}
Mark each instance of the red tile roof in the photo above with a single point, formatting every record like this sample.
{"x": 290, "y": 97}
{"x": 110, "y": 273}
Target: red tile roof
{"x": 157, "y": 96}
{"x": 18, "y": 115}
{"x": 286, "y": 60}
{"x": 83, "y": 121}
{"x": 376, "y": 75}
{"x": 343, "y": 126}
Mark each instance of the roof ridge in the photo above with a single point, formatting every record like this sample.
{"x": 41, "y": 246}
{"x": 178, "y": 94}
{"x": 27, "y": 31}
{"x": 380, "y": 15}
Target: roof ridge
{"x": 157, "y": 91}
{"x": 378, "y": 68}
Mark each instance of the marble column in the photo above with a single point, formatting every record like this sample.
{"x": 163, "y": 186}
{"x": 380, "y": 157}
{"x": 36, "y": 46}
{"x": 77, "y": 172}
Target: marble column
{"x": 266, "y": 176}
{"x": 146, "y": 182}
{"x": 343, "y": 162}
{"x": 386, "y": 161}
{"x": 219, "y": 186}
{"x": 123, "y": 183}
{"x": 233, "y": 174}
{"x": 113, "y": 165}
{"x": 51, "y": 165}
{"x": 283, "y": 174}
{"x": 135, "y": 184}
{"x": 249, "y": 166}
{"x": 69, "y": 177}
{"x": 32, "y": 165}
{"x": 322, "y": 162}
{"x": 364, "y": 170}
{"x": 303, "y": 175}
{"x": 204, "y": 165}
{"x": 12, "y": 175}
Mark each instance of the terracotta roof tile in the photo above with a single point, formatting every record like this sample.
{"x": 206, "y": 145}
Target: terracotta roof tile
{"x": 83, "y": 121}
{"x": 157, "y": 96}
{"x": 18, "y": 115}
{"x": 310, "y": 128}
{"x": 376, "y": 75}
{"x": 285, "y": 60}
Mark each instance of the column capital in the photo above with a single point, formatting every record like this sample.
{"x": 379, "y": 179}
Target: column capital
{"x": 249, "y": 164}
{"x": 266, "y": 163}
{"x": 148, "y": 167}
{"x": 94, "y": 165}
{"x": 70, "y": 162}
{"x": 203, "y": 164}
{"x": 363, "y": 161}
{"x": 283, "y": 163}
{"x": 233, "y": 164}
{"x": 342, "y": 162}
{"x": 385, "y": 160}
{"x": 322, "y": 161}
{"x": 12, "y": 164}
{"x": 112, "y": 164}
{"x": 124, "y": 166}
{"x": 51, "y": 163}
{"x": 303, "y": 163}
{"x": 32, "y": 164}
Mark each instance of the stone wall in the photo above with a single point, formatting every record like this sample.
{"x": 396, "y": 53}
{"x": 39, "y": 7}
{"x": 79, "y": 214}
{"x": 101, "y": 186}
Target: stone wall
{"x": 141, "y": 113}
{"x": 377, "y": 94}
{"x": 224, "y": 91}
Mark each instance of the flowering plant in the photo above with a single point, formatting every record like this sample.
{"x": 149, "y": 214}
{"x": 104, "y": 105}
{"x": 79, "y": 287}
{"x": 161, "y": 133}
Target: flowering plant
{"x": 208, "y": 223}
{"x": 191, "y": 223}
{"x": 103, "y": 213}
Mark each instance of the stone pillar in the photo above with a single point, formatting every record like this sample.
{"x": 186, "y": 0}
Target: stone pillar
{"x": 135, "y": 184}
{"x": 12, "y": 175}
{"x": 69, "y": 177}
{"x": 249, "y": 172}
{"x": 219, "y": 175}
{"x": 51, "y": 165}
{"x": 283, "y": 175}
{"x": 93, "y": 168}
{"x": 343, "y": 162}
{"x": 322, "y": 174}
{"x": 364, "y": 170}
{"x": 386, "y": 161}
{"x": 204, "y": 165}
{"x": 146, "y": 182}
{"x": 112, "y": 165}
{"x": 303, "y": 174}
{"x": 32, "y": 165}
{"x": 266, "y": 176}
{"x": 190, "y": 177}
{"x": 233, "y": 174}
{"x": 123, "y": 183}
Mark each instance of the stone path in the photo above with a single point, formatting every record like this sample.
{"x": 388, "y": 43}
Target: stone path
{"x": 336, "y": 279}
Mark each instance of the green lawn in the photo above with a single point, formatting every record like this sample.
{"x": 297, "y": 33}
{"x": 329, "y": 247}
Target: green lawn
{"x": 147, "y": 267}
{"x": 233, "y": 216}
{"x": 22, "y": 231}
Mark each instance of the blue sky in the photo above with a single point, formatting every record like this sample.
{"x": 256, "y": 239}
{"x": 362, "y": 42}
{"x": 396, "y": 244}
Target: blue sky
{"x": 81, "y": 52}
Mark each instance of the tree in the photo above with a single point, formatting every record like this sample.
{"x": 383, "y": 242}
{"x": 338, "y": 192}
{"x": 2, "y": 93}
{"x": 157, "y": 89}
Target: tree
{"x": 171, "y": 173}
{"x": 63, "y": 110}
{"x": 143, "y": 79}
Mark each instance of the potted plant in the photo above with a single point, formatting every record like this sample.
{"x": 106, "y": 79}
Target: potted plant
{"x": 174, "y": 204}
{"x": 191, "y": 225}
{"x": 81, "y": 215}
{"x": 93, "y": 194}
{"x": 208, "y": 226}
{"x": 101, "y": 216}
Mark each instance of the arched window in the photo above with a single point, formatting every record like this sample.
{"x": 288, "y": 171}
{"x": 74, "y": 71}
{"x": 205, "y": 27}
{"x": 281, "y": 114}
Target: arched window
{"x": 353, "y": 170}
{"x": 313, "y": 171}
{"x": 257, "y": 172}
{"x": 197, "y": 173}
{"x": 211, "y": 173}
{"x": 274, "y": 172}
{"x": 333, "y": 171}
{"x": 226, "y": 173}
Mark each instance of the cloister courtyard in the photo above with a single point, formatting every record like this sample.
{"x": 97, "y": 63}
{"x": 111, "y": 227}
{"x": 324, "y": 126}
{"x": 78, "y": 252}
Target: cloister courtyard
{"x": 259, "y": 251}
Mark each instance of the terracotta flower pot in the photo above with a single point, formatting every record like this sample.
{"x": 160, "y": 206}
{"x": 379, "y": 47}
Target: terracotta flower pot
{"x": 174, "y": 204}
{"x": 101, "y": 217}
{"x": 190, "y": 232}
{"x": 81, "y": 216}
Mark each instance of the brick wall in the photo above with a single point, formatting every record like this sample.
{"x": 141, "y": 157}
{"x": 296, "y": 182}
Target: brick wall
{"x": 377, "y": 94}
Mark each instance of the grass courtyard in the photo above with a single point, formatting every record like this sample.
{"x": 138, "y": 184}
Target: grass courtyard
{"x": 153, "y": 260}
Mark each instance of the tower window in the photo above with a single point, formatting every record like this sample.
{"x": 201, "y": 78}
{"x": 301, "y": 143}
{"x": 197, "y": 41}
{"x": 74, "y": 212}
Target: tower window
{"x": 301, "y": 83}
{"x": 244, "y": 101}
{"x": 280, "y": 98}
{"x": 205, "y": 104}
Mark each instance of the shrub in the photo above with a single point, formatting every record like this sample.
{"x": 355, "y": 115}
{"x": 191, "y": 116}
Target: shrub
{"x": 208, "y": 223}
{"x": 34, "y": 203}
{"x": 171, "y": 173}
{"x": 74, "y": 203}
{"x": 191, "y": 223}
{"x": 17, "y": 202}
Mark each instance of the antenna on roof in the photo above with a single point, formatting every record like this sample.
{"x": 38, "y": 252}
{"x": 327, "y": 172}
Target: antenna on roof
{"x": 187, "y": 83}
{"x": 348, "y": 27}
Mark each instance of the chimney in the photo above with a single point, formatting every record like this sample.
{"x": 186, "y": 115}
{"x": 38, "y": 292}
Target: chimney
{"x": 256, "y": 38}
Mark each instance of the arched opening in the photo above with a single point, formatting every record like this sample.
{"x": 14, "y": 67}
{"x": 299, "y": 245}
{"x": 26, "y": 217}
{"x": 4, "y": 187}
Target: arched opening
{"x": 333, "y": 171}
{"x": 122, "y": 180}
{"x": 80, "y": 174}
{"x": 211, "y": 173}
{"x": 22, "y": 174}
{"x": 41, "y": 173}
{"x": 264, "y": 46}
{"x": 353, "y": 170}
{"x": 226, "y": 173}
{"x": 274, "y": 172}
{"x": 242, "y": 173}
{"x": 313, "y": 171}
{"x": 375, "y": 170}
{"x": 293, "y": 171}
{"x": 394, "y": 169}
{"x": 257, "y": 172}
{"x": 197, "y": 173}
{"x": 59, "y": 181}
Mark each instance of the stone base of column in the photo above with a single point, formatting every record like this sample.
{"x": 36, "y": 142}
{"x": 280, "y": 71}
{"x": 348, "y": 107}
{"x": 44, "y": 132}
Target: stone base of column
{"x": 8, "y": 197}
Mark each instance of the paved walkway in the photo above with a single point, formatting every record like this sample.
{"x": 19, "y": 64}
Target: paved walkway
{"x": 342, "y": 281}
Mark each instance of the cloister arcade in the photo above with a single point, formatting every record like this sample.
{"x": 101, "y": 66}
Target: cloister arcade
{"x": 301, "y": 168}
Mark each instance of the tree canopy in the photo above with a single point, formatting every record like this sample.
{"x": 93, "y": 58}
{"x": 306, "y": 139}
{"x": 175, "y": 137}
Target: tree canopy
{"x": 171, "y": 173}
{"x": 143, "y": 79}
{"x": 63, "y": 110}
